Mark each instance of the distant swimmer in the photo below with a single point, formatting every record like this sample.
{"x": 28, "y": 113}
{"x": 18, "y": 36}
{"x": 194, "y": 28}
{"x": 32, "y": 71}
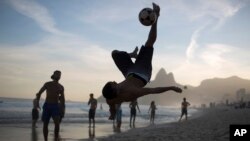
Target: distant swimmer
{"x": 137, "y": 74}
{"x": 152, "y": 108}
{"x": 133, "y": 105}
{"x": 93, "y": 104}
{"x": 184, "y": 106}
{"x": 51, "y": 107}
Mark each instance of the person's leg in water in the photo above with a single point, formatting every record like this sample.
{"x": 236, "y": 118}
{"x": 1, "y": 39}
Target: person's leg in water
{"x": 153, "y": 118}
{"x": 45, "y": 118}
{"x": 93, "y": 122}
{"x": 134, "y": 120}
{"x": 89, "y": 118}
{"x": 57, "y": 126}
{"x": 130, "y": 119}
{"x": 181, "y": 115}
{"x": 45, "y": 130}
{"x": 186, "y": 115}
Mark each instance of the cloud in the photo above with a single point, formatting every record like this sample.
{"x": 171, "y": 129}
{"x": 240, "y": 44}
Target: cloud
{"x": 213, "y": 13}
{"x": 36, "y": 12}
{"x": 213, "y": 60}
{"x": 213, "y": 55}
{"x": 85, "y": 66}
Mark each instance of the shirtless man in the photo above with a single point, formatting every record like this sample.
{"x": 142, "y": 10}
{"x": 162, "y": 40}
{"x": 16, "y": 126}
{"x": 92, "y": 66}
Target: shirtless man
{"x": 184, "y": 106}
{"x": 137, "y": 74}
{"x": 51, "y": 108}
{"x": 93, "y": 104}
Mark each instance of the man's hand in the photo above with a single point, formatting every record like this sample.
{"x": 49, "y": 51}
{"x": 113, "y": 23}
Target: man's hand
{"x": 176, "y": 89}
{"x": 156, "y": 9}
{"x": 112, "y": 109}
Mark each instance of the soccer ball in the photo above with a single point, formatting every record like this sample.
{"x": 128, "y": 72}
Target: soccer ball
{"x": 147, "y": 16}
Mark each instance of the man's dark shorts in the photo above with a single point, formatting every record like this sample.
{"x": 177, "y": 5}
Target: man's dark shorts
{"x": 184, "y": 111}
{"x": 50, "y": 110}
{"x": 133, "y": 112}
{"x": 91, "y": 113}
{"x": 142, "y": 66}
{"x": 35, "y": 114}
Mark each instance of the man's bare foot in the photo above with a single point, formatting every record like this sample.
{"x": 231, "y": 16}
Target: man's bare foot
{"x": 156, "y": 9}
{"x": 134, "y": 53}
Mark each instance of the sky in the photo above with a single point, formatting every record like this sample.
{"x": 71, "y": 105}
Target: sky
{"x": 197, "y": 40}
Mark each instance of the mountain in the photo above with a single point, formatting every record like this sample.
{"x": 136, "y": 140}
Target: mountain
{"x": 210, "y": 90}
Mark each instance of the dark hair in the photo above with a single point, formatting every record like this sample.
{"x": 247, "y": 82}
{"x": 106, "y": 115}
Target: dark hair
{"x": 184, "y": 98}
{"x": 53, "y": 75}
{"x": 108, "y": 92}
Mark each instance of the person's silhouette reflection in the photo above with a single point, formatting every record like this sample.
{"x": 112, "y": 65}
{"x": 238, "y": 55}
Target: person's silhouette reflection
{"x": 34, "y": 136}
{"x": 91, "y": 133}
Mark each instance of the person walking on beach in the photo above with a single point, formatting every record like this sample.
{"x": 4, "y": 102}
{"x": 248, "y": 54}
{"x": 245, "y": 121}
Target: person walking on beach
{"x": 133, "y": 106}
{"x": 54, "y": 90}
{"x": 35, "y": 113}
{"x": 93, "y": 104}
{"x": 137, "y": 74}
{"x": 184, "y": 106}
{"x": 152, "y": 108}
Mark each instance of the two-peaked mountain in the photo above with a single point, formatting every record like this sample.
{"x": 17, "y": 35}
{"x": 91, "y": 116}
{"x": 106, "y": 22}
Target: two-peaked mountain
{"x": 209, "y": 90}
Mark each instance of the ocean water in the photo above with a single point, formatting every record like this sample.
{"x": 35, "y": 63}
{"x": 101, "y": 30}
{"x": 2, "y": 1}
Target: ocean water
{"x": 18, "y": 111}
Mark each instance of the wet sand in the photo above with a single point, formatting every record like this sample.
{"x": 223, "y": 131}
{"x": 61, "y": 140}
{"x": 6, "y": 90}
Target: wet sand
{"x": 208, "y": 125}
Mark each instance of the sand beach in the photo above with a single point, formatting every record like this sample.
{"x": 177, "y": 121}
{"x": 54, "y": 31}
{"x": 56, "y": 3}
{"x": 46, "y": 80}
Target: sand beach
{"x": 207, "y": 125}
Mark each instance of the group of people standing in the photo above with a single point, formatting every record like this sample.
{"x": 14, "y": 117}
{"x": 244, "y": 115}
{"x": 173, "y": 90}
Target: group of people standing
{"x": 54, "y": 107}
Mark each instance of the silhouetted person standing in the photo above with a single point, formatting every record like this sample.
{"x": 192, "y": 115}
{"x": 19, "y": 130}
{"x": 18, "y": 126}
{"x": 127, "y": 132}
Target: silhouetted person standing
{"x": 51, "y": 108}
{"x": 93, "y": 104}
{"x": 35, "y": 113}
{"x": 133, "y": 105}
{"x": 184, "y": 106}
{"x": 152, "y": 108}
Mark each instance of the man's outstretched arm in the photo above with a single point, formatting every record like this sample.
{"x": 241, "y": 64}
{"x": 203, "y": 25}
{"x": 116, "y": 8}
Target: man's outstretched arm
{"x": 157, "y": 90}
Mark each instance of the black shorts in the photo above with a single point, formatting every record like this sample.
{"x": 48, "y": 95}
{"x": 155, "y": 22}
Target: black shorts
{"x": 184, "y": 111}
{"x": 133, "y": 112}
{"x": 35, "y": 114}
{"x": 142, "y": 66}
{"x": 91, "y": 113}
